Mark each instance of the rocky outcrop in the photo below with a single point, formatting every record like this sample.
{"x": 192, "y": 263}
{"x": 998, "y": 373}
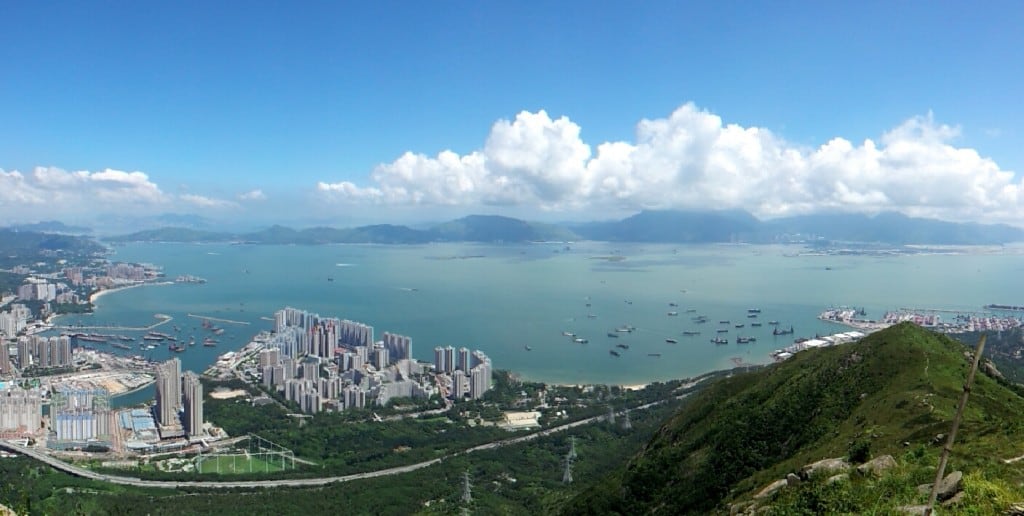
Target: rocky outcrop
{"x": 770, "y": 489}
{"x": 877, "y": 465}
{"x": 825, "y": 466}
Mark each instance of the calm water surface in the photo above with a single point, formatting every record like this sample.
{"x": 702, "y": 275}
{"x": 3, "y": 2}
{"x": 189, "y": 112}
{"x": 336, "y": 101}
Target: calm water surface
{"x": 502, "y": 299}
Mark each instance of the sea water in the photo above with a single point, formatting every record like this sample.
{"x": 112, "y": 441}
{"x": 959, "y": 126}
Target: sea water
{"x": 515, "y": 301}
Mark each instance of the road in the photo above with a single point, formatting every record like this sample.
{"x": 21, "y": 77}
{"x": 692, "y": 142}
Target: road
{"x": 298, "y": 482}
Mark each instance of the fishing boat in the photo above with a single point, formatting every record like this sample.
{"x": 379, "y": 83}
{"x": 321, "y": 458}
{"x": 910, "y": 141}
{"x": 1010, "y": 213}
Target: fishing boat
{"x": 673, "y": 314}
{"x": 739, "y": 325}
{"x": 622, "y": 346}
{"x": 654, "y": 354}
{"x": 777, "y": 331}
{"x": 691, "y": 333}
{"x": 613, "y": 335}
{"x": 719, "y": 340}
{"x": 527, "y": 347}
{"x": 614, "y": 353}
{"x": 755, "y": 325}
{"x": 580, "y": 340}
{"x": 672, "y": 341}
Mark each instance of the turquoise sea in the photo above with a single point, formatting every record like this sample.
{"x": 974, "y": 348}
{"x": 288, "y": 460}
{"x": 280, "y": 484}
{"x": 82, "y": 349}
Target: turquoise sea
{"x": 505, "y": 298}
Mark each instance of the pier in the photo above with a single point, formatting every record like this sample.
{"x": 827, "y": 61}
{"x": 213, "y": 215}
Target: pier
{"x": 218, "y": 319}
{"x": 164, "y": 319}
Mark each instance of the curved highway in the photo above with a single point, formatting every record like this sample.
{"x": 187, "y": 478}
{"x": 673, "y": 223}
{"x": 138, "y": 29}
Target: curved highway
{"x": 174, "y": 484}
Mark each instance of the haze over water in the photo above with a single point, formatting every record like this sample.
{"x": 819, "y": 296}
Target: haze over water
{"x": 501, "y": 298}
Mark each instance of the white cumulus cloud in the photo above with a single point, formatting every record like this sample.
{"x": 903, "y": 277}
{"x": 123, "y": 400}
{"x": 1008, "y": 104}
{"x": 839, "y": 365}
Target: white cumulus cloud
{"x": 692, "y": 160}
{"x": 59, "y": 188}
{"x": 207, "y": 202}
{"x": 253, "y": 195}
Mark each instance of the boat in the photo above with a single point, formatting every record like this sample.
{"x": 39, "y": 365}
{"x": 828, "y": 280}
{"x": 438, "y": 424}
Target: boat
{"x": 218, "y": 331}
{"x": 723, "y": 330}
{"x": 691, "y": 310}
{"x": 614, "y": 353}
{"x": 152, "y": 337}
{"x": 209, "y": 342}
{"x": 672, "y": 341}
{"x": 719, "y": 340}
{"x": 755, "y": 325}
{"x": 580, "y": 340}
{"x": 739, "y": 325}
{"x": 673, "y": 304}
{"x": 92, "y": 338}
{"x": 118, "y": 345}
{"x": 177, "y": 349}
{"x": 673, "y": 314}
{"x": 654, "y": 354}
{"x": 744, "y": 340}
{"x": 773, "y": 323}
{"x": 330, "y": 279}
{"x": 192, "y": 341}
{"x": 723, "y": 322}
{"x": 691, "y": 333}
{"x": 754, "y": 310}
{"x": 777, "y": 331}
{"x": 622, "y": 346}
{"x": 613, "y": 335}
{"x": 751, "y": 316}
{"x": 527, "y": 347}
{"x": 568, "y": 334}
{"x": 591, "y": 316}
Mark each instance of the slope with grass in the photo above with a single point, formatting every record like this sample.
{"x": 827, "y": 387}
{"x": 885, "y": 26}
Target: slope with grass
{"x": 894, "y": 391}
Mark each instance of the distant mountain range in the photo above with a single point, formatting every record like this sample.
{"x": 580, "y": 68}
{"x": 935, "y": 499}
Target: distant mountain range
{"x": 647, "y": 226}
{"x": 51, "y": 226}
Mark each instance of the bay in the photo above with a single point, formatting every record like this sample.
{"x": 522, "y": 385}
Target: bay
{"x": 504, "y": 298}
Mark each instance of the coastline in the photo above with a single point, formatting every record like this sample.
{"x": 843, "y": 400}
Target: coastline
{"x": 100, "y": 293}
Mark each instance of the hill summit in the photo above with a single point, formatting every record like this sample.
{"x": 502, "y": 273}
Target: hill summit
{"x": 894, "y": 393}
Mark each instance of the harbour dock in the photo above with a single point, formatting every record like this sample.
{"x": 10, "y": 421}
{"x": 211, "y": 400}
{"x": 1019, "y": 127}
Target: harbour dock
{"x": 217, "y": 319}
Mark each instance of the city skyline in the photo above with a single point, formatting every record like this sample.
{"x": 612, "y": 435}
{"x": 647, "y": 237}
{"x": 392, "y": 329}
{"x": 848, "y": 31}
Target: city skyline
{"x": 384, "y": 113}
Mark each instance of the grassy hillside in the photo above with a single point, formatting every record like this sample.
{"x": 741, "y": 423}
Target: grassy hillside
{"x": 894, "y": 392}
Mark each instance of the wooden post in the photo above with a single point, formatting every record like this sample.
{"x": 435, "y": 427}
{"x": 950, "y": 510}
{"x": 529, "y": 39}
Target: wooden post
{"x": 956, "y": 425}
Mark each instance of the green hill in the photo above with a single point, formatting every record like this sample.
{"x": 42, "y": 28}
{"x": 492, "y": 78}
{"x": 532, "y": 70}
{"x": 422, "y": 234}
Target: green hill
{"x": 892, "y": 393}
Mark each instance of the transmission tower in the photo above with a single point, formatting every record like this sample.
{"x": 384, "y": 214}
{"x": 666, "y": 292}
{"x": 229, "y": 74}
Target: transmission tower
{"x": 572, "y": 448}
{"x": 626, "y": 423}
{"x": 611, "y": 415}
{"x": 467, "y": 488}
{"x": 567, "y": 472}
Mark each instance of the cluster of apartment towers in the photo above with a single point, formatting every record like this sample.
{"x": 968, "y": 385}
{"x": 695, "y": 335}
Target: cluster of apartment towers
{"x": 333, "y": 364}
{"x": 36, "y": 351}
{"x": 179, "y": 401}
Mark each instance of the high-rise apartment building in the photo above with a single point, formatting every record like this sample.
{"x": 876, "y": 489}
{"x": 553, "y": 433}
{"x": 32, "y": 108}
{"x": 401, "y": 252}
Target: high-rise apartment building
{"x": 192, "y": 398}
{"x": 168, "y": 393}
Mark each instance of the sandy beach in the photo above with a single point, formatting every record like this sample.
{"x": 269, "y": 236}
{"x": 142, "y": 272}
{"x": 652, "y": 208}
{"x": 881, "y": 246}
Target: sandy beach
{"x": 100, "y": 293}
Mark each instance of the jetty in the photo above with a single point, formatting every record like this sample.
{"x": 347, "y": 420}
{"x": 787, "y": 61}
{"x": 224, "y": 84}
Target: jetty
{"x": 164, "y": 319}
{"x": 218, "y": 319}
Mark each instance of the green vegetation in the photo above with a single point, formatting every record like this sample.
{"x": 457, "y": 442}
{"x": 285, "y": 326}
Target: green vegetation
{"x": 27, "y": 247}
{"x": 517, "y": 479}
{"x": 896, "y": 389}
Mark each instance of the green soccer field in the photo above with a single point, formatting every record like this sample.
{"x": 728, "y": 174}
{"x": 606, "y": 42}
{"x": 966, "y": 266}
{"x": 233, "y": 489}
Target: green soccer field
{"x": 241, "y": 464}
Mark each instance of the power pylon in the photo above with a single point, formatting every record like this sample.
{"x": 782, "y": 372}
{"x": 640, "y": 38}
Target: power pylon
{"x": 467, "y": 489}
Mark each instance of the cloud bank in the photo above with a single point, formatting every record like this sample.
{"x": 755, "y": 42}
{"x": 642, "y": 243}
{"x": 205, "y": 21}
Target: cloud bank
{"x": 692, "y": 160}
{"x": 54, "y": 191}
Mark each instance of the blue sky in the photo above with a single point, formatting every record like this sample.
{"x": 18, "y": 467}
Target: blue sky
{"x": 319, "y": 102}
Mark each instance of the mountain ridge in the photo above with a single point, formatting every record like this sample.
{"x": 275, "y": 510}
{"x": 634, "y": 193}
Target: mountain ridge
{"x": 681, "y": 227}
{"x": 894, "y": 391}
